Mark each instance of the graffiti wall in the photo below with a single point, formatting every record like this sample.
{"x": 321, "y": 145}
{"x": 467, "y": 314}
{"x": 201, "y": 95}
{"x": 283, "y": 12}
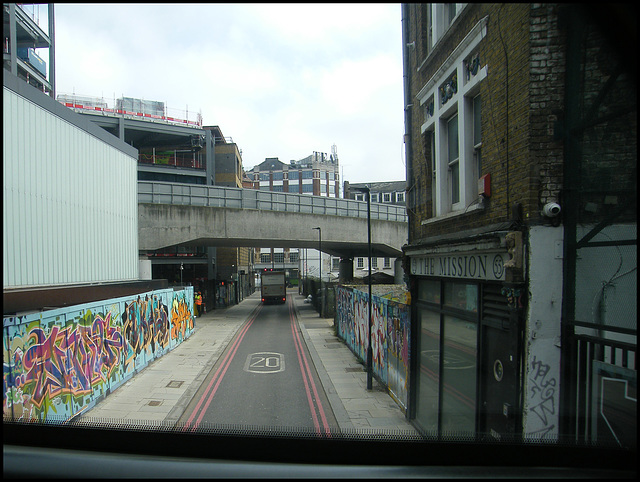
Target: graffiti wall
{"x": 390, "y": 336}
{"x": 59, "y": 363}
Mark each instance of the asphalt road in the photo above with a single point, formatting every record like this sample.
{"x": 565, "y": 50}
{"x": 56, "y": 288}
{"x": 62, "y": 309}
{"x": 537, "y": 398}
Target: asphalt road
{"x": 265, "y": 379}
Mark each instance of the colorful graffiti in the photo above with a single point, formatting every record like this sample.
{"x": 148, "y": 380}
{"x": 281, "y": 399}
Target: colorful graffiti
{"x": 61, "y": 362}
{"x": 389, "y": 336}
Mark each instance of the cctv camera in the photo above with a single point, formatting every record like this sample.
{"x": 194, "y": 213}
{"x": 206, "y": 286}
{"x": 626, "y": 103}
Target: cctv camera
{"x": 551, "y": 210}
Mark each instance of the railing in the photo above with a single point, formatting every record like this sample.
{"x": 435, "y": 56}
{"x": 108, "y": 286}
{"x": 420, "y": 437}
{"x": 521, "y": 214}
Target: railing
{"x": 589, "y": 407}
{"x": 177, "y": 160}
{"x": 98, "y": 105}
{"x": 236, "y": 198}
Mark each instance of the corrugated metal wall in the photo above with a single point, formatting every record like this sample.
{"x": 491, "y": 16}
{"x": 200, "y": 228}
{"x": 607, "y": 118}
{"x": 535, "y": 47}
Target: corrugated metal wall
{"x": 70, "y": 209}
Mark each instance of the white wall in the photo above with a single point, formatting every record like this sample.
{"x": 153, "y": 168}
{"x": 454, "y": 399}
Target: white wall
{"x": 542, "y": 333}
{"x": 70, "y": 207}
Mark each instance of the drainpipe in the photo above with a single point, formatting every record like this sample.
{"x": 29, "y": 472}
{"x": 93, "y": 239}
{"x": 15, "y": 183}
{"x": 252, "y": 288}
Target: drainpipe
{"x": 410, "y": 414}
{"x": 407, "y": 99}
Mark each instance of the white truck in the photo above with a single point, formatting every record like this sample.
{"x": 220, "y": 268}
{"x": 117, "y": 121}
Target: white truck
{"x": 273, "y": 287}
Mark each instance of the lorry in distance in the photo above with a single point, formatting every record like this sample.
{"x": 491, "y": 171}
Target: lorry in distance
{"x": 273, "y": 287}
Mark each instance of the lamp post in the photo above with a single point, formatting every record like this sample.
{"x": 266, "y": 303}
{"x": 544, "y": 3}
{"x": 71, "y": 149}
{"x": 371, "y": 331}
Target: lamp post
{"x": 367, "y": 191}
{"x": 320, "y": 272}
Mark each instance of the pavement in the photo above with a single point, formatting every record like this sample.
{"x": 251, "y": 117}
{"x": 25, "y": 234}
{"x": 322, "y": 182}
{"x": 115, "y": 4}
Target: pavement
{"x": 161, "y": 392}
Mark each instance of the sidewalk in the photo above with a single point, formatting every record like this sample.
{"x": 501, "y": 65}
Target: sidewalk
{"x": 161, "y": 392}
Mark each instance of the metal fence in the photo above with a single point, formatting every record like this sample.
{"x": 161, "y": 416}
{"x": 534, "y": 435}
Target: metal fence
{"x": 236, "y": 198}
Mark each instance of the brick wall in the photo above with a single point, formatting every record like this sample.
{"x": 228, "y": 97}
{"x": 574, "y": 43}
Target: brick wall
{"x": 521, "y": 98}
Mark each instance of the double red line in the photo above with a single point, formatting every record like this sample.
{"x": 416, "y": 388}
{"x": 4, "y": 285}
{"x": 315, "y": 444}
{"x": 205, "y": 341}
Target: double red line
{"x": 211, "y": 389}
{"x": 315, "y": 405}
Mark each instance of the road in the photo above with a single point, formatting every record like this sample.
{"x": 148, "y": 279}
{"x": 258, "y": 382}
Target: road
{"x": 265, "y": 379}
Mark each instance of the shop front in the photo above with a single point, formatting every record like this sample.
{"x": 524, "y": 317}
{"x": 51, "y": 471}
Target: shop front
{"x": 468, "y": 350}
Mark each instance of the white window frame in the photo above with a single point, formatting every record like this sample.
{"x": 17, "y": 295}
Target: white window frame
{"x": 453, "y": 162}
{"x": 441, "y": 13}
{"x": 386, "y": 197}
{"x": 335, "y": 264}
{"x": 461, "y": 103}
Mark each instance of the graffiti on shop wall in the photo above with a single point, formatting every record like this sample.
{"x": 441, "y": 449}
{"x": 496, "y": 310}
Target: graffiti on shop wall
{"x": 542, "y": 396}
{"x": 58, "y": 366}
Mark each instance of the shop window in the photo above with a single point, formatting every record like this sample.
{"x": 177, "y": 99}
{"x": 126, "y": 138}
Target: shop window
{"x": 448, "y": 351}
{"x": 461, "y": 296}
{"x": 429, "y": 291}
{"x": 427, "y": 393}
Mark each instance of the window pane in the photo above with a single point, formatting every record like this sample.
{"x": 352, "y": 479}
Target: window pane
{"x": 451, "y": 12}
{"x": 477, "y": 124}
{"x": 429, "y": 290}
{"x": 462, "y": 296}
{"x": 455, "y": 183}
{"x": 427, "y": 405}
{"x": 459, "y": 376}
{"x": 452, "y": 137}
{"x": 454, "y": 167}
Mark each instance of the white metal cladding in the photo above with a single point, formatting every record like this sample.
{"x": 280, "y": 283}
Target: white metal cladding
{"x": 70, "y": 207}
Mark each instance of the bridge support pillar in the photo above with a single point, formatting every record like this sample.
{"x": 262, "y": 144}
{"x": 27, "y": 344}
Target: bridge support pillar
{"x": 345, "y": 269}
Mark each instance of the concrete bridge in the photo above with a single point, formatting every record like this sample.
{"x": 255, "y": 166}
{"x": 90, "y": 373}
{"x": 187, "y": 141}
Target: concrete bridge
{"x": 172, "y": 214}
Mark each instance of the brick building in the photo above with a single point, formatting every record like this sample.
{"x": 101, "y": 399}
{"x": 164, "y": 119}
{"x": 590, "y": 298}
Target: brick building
{"x": 494, "y": 186}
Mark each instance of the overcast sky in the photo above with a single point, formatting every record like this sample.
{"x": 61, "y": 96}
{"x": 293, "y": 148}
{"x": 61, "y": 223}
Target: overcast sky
{"x": 282, "y": 80}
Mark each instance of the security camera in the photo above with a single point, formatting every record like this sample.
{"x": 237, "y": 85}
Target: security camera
{"x": 551, "y": 210}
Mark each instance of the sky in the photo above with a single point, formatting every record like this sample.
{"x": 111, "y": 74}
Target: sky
{"x": 282, "y": 80}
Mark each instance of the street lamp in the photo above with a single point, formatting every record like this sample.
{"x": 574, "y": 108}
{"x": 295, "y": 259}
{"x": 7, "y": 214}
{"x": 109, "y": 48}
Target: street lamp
{"x": 369, "y": 354}
{"x": 320, "y": 272}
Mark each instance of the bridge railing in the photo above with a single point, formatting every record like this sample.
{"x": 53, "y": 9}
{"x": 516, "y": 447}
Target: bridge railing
{"x": 157, "y": 192}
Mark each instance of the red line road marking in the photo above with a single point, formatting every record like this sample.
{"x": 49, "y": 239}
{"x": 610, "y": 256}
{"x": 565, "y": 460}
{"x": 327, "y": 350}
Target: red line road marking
{"x": 306, "y": 374}
{"x": 222, "y": 369}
